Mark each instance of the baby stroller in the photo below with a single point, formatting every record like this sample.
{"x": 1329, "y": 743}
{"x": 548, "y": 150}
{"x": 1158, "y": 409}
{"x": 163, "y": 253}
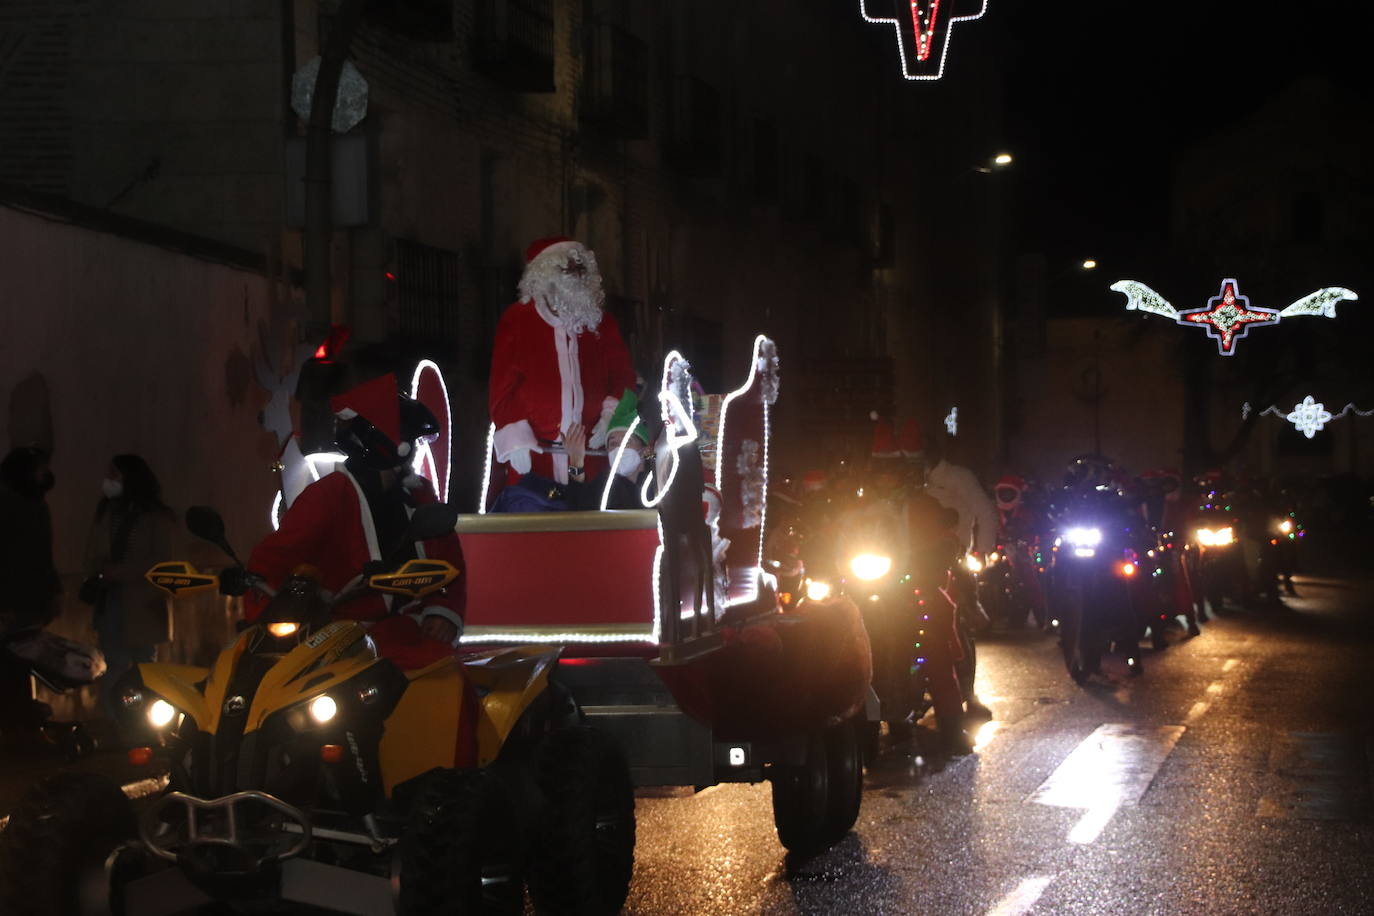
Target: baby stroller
{"x": 60, "y": 665}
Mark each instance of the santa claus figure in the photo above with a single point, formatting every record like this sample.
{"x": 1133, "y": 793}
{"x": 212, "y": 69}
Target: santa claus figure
{"x": 559, "y": 360}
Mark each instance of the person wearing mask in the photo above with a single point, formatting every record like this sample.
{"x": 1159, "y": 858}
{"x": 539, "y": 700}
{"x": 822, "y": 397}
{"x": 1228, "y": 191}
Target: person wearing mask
{"x": 133, "y": 530}
{"x": 359, "y": 513}
{"x": 29, "y": 585}
{"x": 624, "y": 479}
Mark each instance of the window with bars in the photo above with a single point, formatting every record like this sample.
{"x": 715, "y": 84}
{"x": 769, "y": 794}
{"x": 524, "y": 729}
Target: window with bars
{"x": 514, "y": 43}
{"x": 425, "y": 282}
{"x": 615, "y": 81}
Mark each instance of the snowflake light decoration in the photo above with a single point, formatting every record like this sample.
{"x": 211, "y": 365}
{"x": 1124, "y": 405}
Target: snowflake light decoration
{"x": 1309, "y": 416}
{"x": 923, "y": 30}
{"x": 1228, "y": 316}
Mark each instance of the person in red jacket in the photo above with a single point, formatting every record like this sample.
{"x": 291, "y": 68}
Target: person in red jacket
{"x": 359, "y": 513}
{"x": 558, "y": 360}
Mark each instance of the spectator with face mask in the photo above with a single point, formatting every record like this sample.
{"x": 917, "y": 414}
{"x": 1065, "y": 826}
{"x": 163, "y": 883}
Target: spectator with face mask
{"x": 133, "y": 530}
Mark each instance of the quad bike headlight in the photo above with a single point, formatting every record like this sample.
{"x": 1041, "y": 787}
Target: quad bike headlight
{"x": 817, "y": 589}
{"x": 283, "y": 628}
{"x": 323, "y": 708}
{"x": 870, "y": 566}
{"x": 972, "y": 565}
{"x": 161, "y": 713}
{"x": 1219, "y": 538}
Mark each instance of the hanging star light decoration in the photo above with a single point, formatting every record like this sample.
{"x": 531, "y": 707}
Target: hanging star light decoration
{"x": 1309, "y": 416}
{"x": 923, "y": 30}
{"x": 1228, "y": 316}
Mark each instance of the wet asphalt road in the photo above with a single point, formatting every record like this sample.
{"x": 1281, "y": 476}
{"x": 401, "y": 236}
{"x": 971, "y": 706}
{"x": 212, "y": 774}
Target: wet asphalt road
{"x": 1234, "y": 776}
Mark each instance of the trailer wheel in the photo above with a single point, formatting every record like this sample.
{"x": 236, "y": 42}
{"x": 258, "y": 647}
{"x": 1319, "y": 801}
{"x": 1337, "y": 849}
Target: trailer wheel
{"x": 585, "y": 852}
{"x": 461, "y": 852}
{"x": 53, "y": 853}
{"x": 844, "y": 778}
{"x": 801, "y": 799}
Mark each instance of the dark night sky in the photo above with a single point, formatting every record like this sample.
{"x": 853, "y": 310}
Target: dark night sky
{"x": 1100, "y": 94}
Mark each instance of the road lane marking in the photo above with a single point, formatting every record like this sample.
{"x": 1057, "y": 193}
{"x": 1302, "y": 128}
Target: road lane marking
{"x": 1109, "y": 769}
{"x": 1023, "y": 898}
{"x": 1197, "y": 711}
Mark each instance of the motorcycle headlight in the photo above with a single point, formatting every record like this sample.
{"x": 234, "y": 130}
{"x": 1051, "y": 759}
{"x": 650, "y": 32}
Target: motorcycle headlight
{"x": 1083, "y": 537}
{"x": 323, "y": 708}
{"x": 161, "y": 713}
{"x": 817, "y": 589}
{"x": 870, "y": 566}
{"x": 1225, "y": 536}
{"x": 283, "y": 628}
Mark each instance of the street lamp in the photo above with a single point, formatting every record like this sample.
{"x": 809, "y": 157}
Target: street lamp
{"x": 1000, "y": 161}
{"x": 1089, "y": 264}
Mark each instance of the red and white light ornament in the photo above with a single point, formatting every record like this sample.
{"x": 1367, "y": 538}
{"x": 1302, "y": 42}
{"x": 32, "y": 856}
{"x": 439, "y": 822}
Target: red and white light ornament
{"x": 922, "y": 28}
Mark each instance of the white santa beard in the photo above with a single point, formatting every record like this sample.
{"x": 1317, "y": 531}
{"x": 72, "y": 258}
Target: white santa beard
{"x": 578, "y": 299}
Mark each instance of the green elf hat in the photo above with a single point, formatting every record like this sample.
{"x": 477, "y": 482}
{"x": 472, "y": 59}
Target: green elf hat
{"x": 626, "y": 412}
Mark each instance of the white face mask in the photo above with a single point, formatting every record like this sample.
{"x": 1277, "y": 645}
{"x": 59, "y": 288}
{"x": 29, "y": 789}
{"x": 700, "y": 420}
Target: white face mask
{"x": 630, "y": 463}
{"x": 113, "y": 489}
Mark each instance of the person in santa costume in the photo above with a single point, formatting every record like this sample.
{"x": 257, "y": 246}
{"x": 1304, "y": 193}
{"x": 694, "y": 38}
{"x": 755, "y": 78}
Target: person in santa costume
{"x": 558, "y": 360}
{"x": 359, "y": 513}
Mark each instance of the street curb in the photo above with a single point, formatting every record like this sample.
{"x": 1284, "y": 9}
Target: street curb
{"x": 139, "y": 788}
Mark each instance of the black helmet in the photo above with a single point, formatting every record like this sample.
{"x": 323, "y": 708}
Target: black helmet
{"x": 364, "y": 443}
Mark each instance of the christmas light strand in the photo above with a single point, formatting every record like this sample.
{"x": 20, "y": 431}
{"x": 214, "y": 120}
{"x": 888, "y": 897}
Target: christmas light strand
{"x": 1228, "y": 316}
{"x": 1309, "y": 415}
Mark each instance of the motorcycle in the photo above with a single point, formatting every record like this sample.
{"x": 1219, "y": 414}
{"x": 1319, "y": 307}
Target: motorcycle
{"x": 1095, "y": 590}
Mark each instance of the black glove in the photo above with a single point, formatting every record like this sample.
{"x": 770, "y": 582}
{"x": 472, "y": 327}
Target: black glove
{"x": 234, "y": 581}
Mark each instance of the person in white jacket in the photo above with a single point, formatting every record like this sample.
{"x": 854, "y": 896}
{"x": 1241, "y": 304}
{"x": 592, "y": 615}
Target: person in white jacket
{"x": 955, "y": 487}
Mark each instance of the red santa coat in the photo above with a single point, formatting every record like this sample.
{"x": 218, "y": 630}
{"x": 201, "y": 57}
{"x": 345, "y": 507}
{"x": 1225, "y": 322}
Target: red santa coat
{"x": 543, "y": 379}
{"x": 330, "y": 527}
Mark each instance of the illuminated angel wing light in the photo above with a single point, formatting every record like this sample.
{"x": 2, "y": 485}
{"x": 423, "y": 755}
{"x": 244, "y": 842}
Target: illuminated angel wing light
{"x": 1140, "y": 297}
{"x": 1322, "y": 302}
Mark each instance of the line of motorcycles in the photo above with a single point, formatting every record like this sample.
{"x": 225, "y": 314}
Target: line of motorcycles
{"x": 1097, "y": 574}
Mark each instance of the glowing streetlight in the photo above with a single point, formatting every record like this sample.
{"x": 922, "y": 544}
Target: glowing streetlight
{"x": 1089, "y": 264}
{"x": 1002, "y": 159}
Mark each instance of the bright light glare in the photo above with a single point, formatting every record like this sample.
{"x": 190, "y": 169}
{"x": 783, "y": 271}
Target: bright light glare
{"x": 161, "y": 713}
{"x": 1002, "y": 159}
{"x": 1083, "y": 537}
{"x": 972, "y": 564}
{"x": 323, "y": 708}
{"x": 1089, "y": 264}
{"x": 1285, "y": 526}
{"x": 1220, "y": 538}
{"x": 1128, "y": 569}
{"x": 1084, "y": 552}
{"x": 870, "y": 566}
{"x": 283, "y": 628}
{"x": 817, "y": 589}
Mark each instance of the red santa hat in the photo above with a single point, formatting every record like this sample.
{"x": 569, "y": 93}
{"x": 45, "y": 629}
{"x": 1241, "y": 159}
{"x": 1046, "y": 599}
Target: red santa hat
{"x": 884, "y": 440}
{"x": 376, "y": 402}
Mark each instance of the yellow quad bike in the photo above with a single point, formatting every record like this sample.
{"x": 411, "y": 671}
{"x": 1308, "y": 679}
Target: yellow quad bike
{"x": 306, "y": 770}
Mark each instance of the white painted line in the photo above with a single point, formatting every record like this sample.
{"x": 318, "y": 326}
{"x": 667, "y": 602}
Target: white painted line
{"x": 1023, "y": 898}
{"x": 1109, "y": 769}
{"x": 1200, "y": 707}
{"x": 137, "y": 789}
{"x": 1230, "y": 663}
{"x": 1091, "y": 824}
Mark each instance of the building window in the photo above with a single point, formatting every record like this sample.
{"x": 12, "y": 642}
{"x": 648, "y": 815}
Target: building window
{"x": 425, "y": 285}
{"x": 696, "y": 126}
{"x": 514, "y": 43}
{"x": 615, "y": 81}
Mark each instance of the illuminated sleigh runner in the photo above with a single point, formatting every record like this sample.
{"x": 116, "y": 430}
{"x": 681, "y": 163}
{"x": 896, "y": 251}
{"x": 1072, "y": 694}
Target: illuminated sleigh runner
{"x": 692, "y": 665}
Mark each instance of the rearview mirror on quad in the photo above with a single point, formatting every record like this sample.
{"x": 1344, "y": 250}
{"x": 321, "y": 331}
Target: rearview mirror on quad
{"x": 207, "y": 524}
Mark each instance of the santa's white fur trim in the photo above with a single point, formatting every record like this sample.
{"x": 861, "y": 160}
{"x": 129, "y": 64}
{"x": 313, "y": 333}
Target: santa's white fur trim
{"x": 514, "y": 437}
{"x": 448, "y": 614}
